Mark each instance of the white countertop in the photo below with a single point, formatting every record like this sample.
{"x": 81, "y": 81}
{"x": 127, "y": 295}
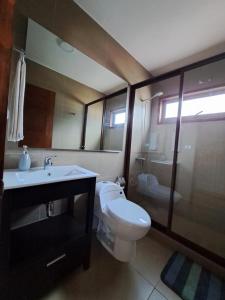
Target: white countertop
{"x": 14, "y": 179}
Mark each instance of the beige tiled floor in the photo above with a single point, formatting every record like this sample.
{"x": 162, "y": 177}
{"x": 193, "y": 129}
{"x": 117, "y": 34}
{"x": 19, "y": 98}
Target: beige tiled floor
{"x": 108, "y": 279}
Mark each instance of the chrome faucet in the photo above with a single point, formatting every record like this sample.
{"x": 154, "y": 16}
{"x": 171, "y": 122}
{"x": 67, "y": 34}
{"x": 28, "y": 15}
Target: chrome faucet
{"x": 47, "y": 162}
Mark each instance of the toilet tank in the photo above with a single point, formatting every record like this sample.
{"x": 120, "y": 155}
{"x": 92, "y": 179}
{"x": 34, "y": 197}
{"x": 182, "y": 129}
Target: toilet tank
{"x": 107, "y": 191}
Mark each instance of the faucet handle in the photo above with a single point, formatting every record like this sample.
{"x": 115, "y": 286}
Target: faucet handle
{"x": 48, "y": 160}
{"x": 49, "y": 157}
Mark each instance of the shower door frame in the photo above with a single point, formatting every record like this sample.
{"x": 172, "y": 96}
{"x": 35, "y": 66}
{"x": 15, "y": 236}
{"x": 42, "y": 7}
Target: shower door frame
{"x": 132, "y": 90}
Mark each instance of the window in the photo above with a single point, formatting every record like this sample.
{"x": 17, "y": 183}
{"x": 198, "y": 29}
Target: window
{"x": 117, "y": 118}
{"x": 196, "y": 106}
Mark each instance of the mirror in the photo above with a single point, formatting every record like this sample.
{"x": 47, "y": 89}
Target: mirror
{"x": 71, "y": 102}
{"x": 104, "y": 125}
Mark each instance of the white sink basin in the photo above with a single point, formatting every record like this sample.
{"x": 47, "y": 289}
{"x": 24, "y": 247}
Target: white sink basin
{"x": 36, "y": 176}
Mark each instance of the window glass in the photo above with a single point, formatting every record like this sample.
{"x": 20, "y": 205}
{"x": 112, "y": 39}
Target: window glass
{"x": 119, "y": 118}
{"x": 201, "y": 105}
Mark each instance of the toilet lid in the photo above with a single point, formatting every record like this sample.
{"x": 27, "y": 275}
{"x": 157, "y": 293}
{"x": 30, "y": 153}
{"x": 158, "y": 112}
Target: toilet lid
{"x": 129, "y": 212}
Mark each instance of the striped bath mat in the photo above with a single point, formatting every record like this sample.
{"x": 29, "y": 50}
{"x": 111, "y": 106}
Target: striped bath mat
{"x": 190, "y": 281}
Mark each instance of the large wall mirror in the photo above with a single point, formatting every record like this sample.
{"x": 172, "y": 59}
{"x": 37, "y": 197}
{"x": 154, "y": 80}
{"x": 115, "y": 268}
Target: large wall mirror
{"x": 71, "y": 102}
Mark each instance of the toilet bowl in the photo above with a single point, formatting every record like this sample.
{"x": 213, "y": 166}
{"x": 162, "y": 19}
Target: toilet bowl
{"x": 121, "y": 222}
{"x": 148, "y": 185}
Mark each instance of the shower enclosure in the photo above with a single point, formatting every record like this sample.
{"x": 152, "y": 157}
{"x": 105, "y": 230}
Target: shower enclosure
{"x": 175, "y": 165}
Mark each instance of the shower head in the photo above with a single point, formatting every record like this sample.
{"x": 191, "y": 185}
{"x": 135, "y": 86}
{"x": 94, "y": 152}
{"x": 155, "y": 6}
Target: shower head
{"x": 159, "y": 94}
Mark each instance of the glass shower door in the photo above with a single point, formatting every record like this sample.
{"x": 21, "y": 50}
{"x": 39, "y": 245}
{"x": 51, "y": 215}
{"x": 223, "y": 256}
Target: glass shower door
{"x": 199, "y": 214}
{"x": 152, "y": 148}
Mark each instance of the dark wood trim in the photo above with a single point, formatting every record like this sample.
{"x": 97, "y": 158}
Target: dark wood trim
{"x": 83, "y": 137}
{"x": 102, "y": 127}
{"x": 6, "y": 42}
{"x": 120, "y": 92}
{"x": 193, "y": 246}
{"x": 96, "y": 101}
{"x": 70, "y": 205}
{"x": 131, "y": 101}
{"x": 178, "y": 71}
{"x": 175, "y": 155}
{"x": 169, "y": 97}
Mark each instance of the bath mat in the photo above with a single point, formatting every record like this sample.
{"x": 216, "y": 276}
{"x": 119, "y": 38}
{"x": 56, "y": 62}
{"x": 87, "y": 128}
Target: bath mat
{"x": 191, "y": 281}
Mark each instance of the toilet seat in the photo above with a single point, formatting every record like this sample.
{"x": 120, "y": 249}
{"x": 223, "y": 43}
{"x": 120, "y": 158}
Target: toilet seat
{"x": 128, "y": 212}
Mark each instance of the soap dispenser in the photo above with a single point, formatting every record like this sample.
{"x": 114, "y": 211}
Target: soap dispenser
{"x": 25, "y": 161}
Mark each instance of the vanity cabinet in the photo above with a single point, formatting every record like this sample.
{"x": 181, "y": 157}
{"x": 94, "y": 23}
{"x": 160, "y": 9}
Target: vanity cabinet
{"x": 37, "y": 256}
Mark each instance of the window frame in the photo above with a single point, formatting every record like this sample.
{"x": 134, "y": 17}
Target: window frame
{"x": 191, "y": 96}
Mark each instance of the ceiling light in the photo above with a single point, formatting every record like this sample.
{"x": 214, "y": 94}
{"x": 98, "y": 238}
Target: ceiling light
{"x": 64, "y": 46}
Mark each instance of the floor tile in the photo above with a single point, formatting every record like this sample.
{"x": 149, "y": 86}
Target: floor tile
{"x": 167, "y": 292}
{"x": 151, "y": 258}
{"x": 106, "y": 279}
{"x": 155, "y": 295}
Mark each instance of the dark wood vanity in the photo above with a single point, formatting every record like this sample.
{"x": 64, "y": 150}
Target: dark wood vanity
{"x": 37, "y": 256}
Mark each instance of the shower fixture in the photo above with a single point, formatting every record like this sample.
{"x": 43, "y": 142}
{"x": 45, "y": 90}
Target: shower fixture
{"x": 159, "y": 94}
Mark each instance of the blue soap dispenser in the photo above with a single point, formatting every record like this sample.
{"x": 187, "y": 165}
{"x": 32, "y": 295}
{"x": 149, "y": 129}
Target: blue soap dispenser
{"x": 25, "y": 161}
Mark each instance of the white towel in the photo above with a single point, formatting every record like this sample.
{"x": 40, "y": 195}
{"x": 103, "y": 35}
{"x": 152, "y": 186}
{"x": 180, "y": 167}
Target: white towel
{"x": 16, "y": 103}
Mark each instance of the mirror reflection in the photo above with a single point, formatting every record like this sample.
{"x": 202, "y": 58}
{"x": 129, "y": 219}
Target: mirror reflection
{"x": 71, "y": 102}
{"x": 105, "y": 122}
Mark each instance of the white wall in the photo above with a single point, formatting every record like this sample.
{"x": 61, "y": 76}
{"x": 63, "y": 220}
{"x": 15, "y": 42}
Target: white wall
{"x": 67, "y": 123}
{"x": 107, "y": 165}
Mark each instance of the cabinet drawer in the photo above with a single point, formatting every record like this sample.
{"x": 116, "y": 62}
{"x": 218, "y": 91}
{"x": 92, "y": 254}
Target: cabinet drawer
{"x": 34, "y": 280}
{"x": 67, "y": 260}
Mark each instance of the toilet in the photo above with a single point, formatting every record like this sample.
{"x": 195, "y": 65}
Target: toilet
{"x": 148, "y": 185}
{"x": 120, "y": 222}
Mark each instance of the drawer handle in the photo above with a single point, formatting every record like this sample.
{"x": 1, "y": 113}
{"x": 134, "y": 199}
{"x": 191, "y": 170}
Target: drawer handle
{"x": 55, "y": 260}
